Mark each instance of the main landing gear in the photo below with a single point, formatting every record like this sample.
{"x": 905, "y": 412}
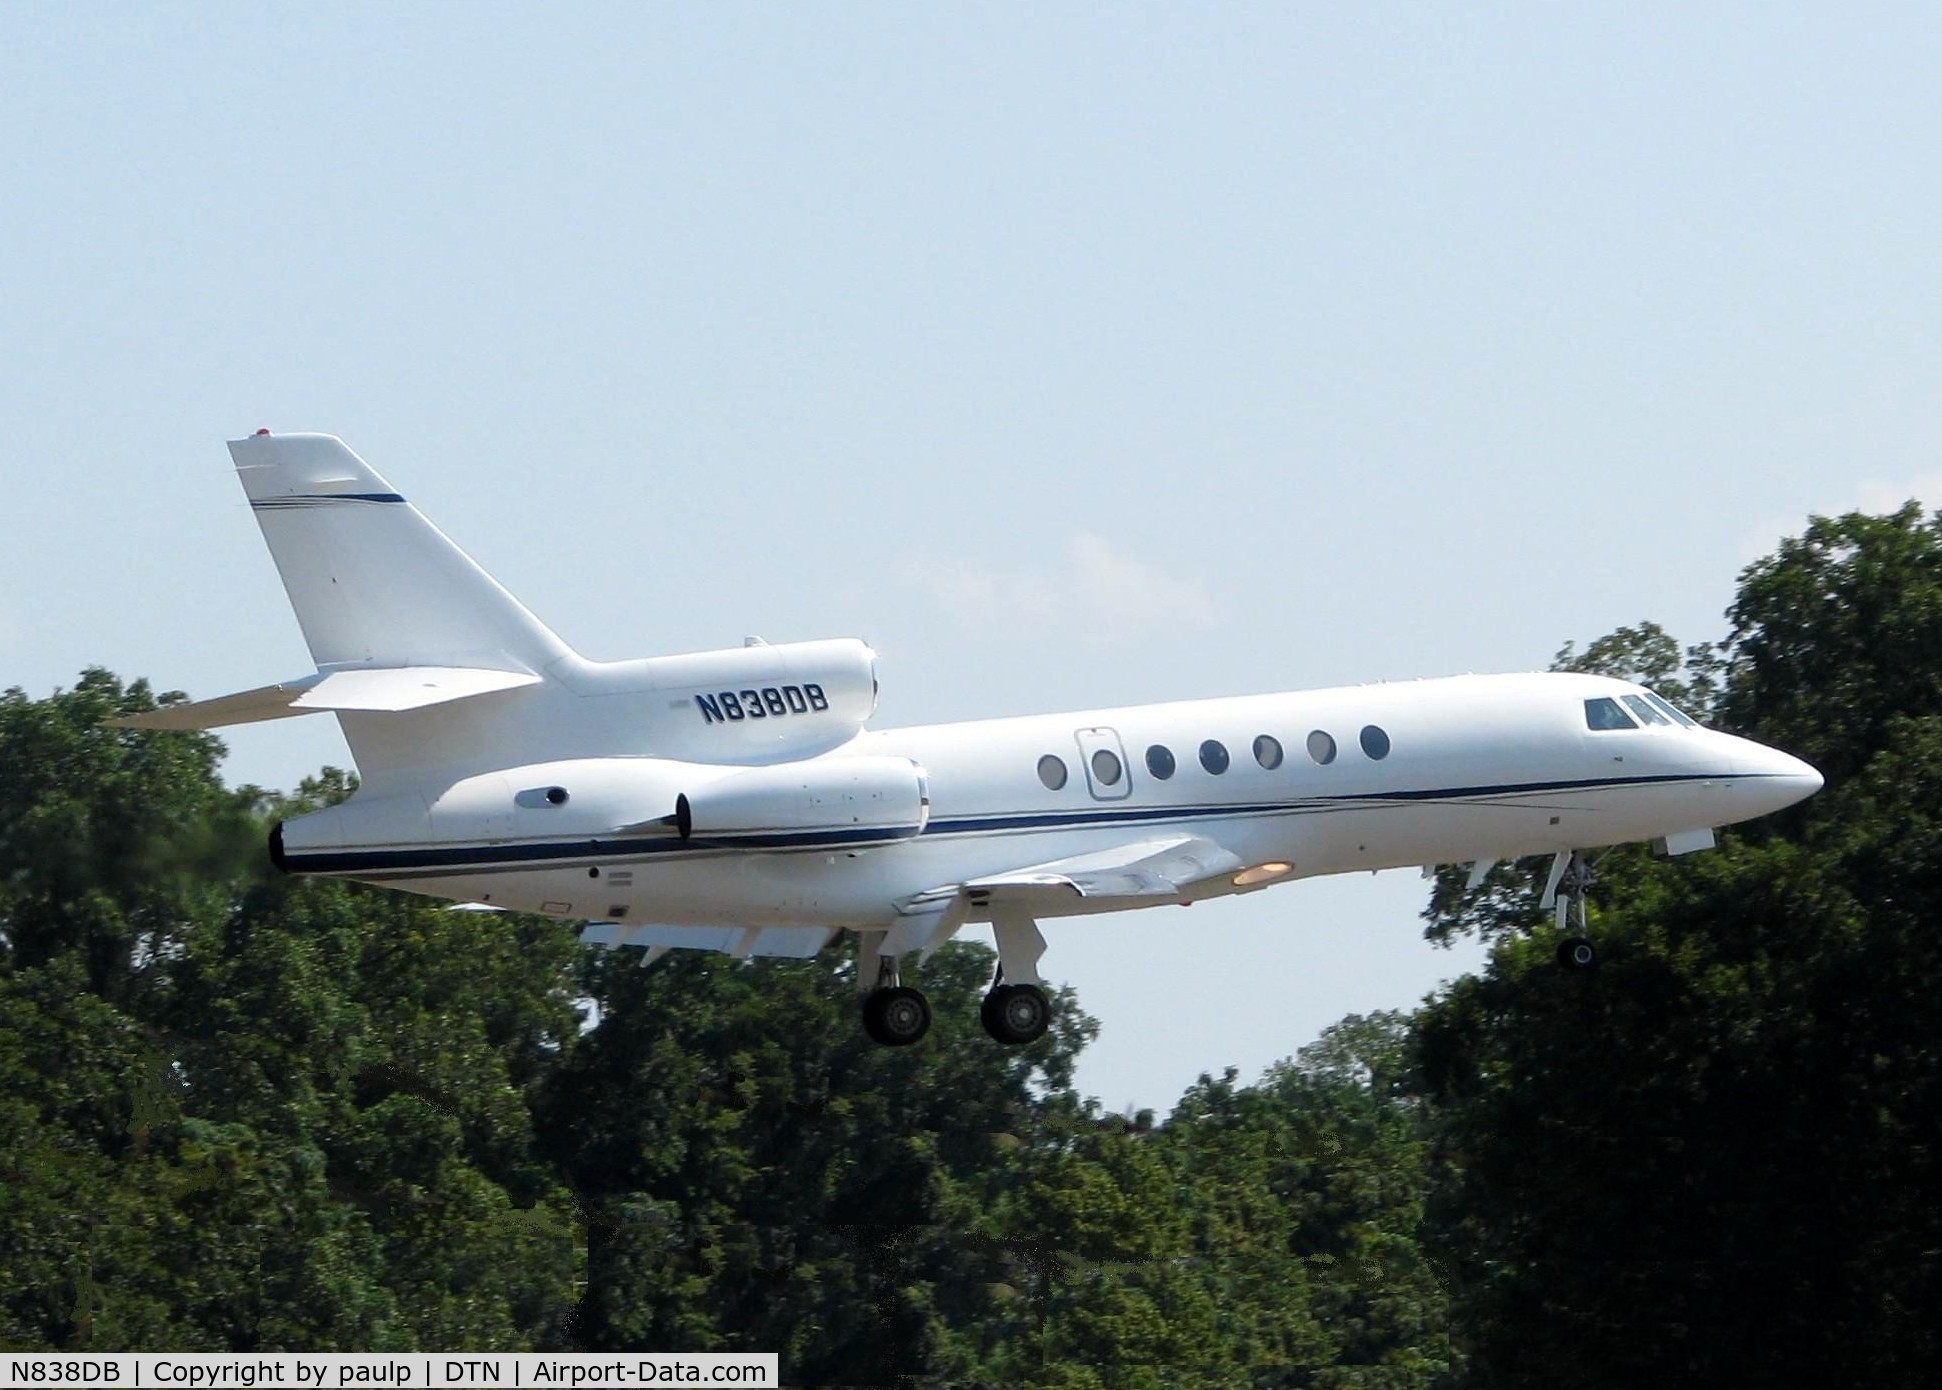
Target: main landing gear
{"x": 898, "y": 1015}
{"x": 1017, "y": 1012}
{"x": 1571, "y": 878}
{"x": 1014, "y": 1013}
{"x": 895, "y": 1014}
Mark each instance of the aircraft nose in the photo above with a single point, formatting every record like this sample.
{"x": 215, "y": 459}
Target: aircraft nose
{"x": 1786, "y": 778}
{"x": 1804, "y": 779}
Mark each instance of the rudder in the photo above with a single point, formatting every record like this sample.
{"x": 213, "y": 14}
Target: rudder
{"x": 372, "y": 581}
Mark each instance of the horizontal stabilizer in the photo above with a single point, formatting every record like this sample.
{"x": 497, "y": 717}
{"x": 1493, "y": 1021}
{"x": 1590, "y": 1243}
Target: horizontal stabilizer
{"x": 383, "y": 689}
{"x": 1145, "y": 869}
{"x": 790, "y": 943}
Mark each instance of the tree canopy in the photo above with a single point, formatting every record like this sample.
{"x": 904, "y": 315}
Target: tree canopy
{"x": 1711, "y": 1162}
{"x": 239, "y": 1111}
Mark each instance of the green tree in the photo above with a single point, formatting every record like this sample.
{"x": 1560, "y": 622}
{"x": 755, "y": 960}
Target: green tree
{"x": 1710, "y": 1161}
{"x": 245, "y": 1112}
{"x": 1314, "y": 1185}
{"x": 1094, "y": 1270}
{"x": 1265, "y": 1235}
{"x": 1647, "y": 655}
{"x": 1837, "y": 634}
{"x": 757, "y": 1175}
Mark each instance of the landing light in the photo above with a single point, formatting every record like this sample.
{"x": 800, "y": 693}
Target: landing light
{"x": 1260, "y": 873}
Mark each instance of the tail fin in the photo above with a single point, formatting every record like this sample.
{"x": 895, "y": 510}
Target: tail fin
{"x": 371, "y": 580}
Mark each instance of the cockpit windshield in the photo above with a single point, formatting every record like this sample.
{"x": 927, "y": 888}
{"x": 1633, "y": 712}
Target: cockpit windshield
{"x": 1604, "y": 713}
{"x": 1645, "y": 710}
{"x": 1673, "y": 710}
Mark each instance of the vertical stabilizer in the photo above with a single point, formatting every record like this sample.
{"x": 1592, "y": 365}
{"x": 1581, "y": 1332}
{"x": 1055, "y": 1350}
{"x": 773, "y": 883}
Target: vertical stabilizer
{"x": 372, "y": 581}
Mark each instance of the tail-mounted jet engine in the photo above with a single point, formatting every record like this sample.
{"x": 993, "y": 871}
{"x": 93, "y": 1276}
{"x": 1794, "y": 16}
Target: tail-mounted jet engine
{"x": 827, "y": 801}
{"x": 611, "y": 802}
{"x": 760, "y": 702}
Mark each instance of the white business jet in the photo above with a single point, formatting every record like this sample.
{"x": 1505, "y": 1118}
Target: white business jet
{"x": 734, "y": 800}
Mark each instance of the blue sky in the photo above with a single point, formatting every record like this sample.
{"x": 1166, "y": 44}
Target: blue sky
{"x": 1072, "y": 355}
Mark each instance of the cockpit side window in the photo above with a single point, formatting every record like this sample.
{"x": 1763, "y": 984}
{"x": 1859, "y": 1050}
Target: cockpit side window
{"x": 1603, "y": 713}
{"x": 1673, "y": 710}
{"x": 1642, "y": 707}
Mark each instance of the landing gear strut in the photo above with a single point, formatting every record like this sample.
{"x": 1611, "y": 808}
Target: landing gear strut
{"x": 1017, "y": 1012}
{"x": 1571, "y": 878}
{"x": 894, "y": 1014}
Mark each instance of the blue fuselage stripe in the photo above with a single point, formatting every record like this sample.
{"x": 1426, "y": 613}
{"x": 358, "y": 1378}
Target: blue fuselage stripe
{"x": 398, "y": 862}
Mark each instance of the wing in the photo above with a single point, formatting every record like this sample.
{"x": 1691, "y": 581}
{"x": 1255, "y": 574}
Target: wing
{"x": 1142, "y": 873}
{"x": 1138, "y": 873}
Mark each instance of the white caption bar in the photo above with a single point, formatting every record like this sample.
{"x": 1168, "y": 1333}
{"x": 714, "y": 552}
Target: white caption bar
{"x": 387, "y": 1371}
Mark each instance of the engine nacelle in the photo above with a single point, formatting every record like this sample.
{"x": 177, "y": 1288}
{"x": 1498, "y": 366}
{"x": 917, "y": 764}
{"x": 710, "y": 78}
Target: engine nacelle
{"x": 757, "y": 703}
{"x": 616, "y": 801}
{"x": 829, "y": 801}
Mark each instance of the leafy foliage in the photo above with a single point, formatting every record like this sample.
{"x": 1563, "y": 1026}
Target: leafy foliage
{"x": 1711, "y": 1162}
{"x": 240, "y": 1111}
{"x": 1836, "y": 635}
{"x": 1647, "y": 655}
{"x": 248, "y": 1113}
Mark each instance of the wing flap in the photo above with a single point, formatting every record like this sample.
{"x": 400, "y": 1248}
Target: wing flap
{"x": 786, "y": 943}
{"x": 380, "y": 689}
{"x": 1143, "y": 870}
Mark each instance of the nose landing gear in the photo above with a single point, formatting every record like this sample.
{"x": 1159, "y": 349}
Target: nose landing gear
{"x": 1577, "y": 953}
{"x": 1571, "y": 878}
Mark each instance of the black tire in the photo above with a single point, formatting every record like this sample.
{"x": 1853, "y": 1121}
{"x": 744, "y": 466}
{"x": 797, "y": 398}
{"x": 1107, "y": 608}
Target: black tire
{"x": 1015, "y": 1014}
{"x": 988, "y": 1011}
{"x": 1577, "y": 953}
{"x": 896, "y": 1017}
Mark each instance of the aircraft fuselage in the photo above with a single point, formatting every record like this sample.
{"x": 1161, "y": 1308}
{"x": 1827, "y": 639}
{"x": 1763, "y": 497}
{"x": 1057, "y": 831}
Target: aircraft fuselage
{"x": 736, "y": 801}
{"x": 1472, "y": 768}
